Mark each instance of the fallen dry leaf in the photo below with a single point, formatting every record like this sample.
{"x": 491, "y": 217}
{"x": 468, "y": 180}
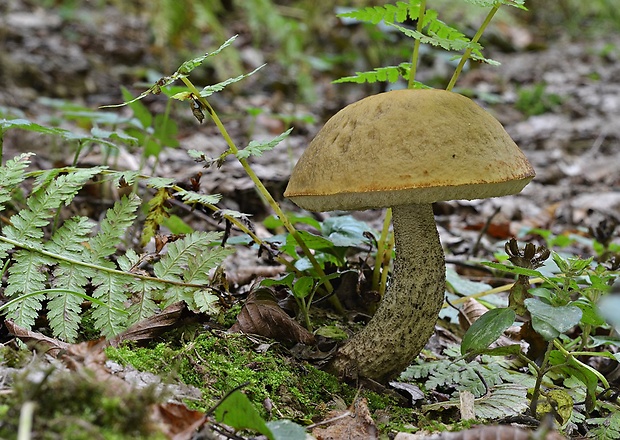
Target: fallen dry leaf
{"x": 153, "y": 326}
{"x": 261, "y": 315}
{"x": 37, "y": 342}
{"x": 352, "y": 424}
{"x": 177, "y": 421}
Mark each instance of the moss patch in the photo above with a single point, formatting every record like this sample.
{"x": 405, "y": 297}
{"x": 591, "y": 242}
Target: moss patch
{"x": 216, "y": 364}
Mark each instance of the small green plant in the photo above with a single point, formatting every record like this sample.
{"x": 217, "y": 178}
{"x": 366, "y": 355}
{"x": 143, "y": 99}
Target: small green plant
{"x": 563, "y": 301}
{"x": 534, "y": 100}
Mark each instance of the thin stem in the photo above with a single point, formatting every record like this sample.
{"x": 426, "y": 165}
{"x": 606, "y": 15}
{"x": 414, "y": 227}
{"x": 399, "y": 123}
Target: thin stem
{"x": 541, "y": 373}
{"x": 264, "y": 192}
{"x": 387, "y": 257}
{"x": 379, "y": 261}
{"x": 467, "y": 53}
{"x": 416, "y": 46}
{"x": 2, "y": 147}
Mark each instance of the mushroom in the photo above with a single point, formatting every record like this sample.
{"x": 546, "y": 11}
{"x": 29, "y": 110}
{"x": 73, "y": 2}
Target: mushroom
{"x": 405, "y": 149}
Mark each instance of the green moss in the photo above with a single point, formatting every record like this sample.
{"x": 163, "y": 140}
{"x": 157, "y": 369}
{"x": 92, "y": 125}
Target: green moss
{"x": 217, "y": 364}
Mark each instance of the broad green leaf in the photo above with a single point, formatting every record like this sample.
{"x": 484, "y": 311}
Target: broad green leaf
{"x": 487, "y": 329}
{"x": 590, "y": 313}
{"x": 286, "y": 430}
{"x": 303, "y": 287}
{"x": 550, "y": 321}
{"x": 237, "y": 411}
{"x": 463, "y": 285}
{"x": 285, "y": 281}
{"x": 25, "y": 124}
{"x": 572, "y": 368}
{"x": 345, "y": 231}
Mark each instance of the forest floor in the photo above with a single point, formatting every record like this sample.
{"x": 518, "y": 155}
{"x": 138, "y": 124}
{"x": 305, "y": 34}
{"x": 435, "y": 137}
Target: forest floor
{"x": 559, "y": 98}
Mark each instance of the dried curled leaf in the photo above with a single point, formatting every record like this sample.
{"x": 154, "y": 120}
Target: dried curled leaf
{"x": 354, "y": 423}
{"x": 261, "y": 315}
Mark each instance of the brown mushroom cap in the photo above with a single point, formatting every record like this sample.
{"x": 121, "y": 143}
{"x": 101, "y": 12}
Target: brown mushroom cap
{"x": 407, "y": 147}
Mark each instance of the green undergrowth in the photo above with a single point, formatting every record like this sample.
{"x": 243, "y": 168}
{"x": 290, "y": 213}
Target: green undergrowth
{"x": 217, "y": 364}
{"x": 75, "y": 405}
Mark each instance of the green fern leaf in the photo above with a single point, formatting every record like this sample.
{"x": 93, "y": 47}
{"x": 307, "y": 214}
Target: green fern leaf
{"x": 387, "y": 13}
{"x": 26, "y": 275}
{"x": 520, "y": 4}
{"x": 113, "y": 227}
{"x": 26, "y": 226}
{"x": 63, "y": 307}
{"x": 445, "y": 43}
{"x": 111, "y": 292}
{"x": 199, "y": 265}
{"x": 159, "y": 182}
{"x": 504, "y": 400}
{"x": 172, "y": 265}
{"x": 210, "y": 90}
{"x": 380, "y": 74}
{"x": 179, "y": 293}
{"x": 70, "y": 238}
{"x": 4, "y": 252}
{"x": 206, "y": 301}
{"x": 11, "y": 175}
{"x": 143, "y": 306}
{"x": 256, "y": 148}
{"x": 143, "y": 291}
{"x": 191, "y": 197}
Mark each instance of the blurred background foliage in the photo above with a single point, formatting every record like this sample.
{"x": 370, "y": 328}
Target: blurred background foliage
{"x": 303, "y": 38}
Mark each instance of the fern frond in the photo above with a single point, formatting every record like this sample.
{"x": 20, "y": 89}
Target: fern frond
{"x": 171, "y": 265}
{"x": 64, "y": 307}
{"x": 520, "y": 4}
{"x": 256, "y": 148}
{"x": 191, "y": 197}
{"x": 210, "y": 90}
{"x": 143, "y": 305}
{"x": 26, "y": 275}
{"x": 178, "y": 293}
{"x": 117, "y": 220}
{"x": 199, "y": 265}
{"x": 447, "y": 42}
{"x": 71, "y": 237}
{"x": 11, "y": 175}
{"x": 206, "y": 301}
{"x": 26, "y": 226}
{"x": 388, "y": 13}
{"x": 380, "y": 74}
{"x": 111, "y": 292}
{"x": 159, "y": 182}
{"x": 157, "y": 213}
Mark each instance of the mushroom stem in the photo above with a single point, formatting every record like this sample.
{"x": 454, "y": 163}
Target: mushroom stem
{"x": 405, "y": 319}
